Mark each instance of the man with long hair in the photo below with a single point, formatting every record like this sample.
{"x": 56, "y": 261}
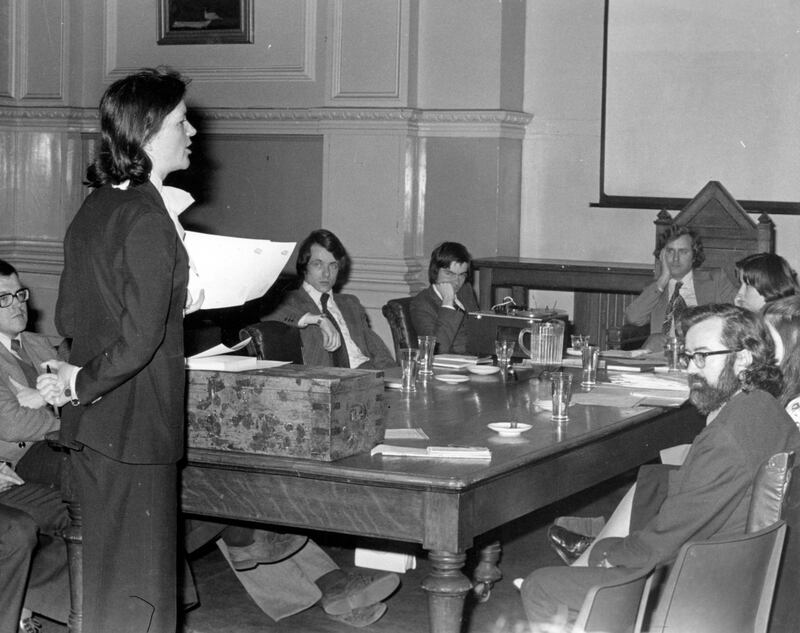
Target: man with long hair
{"x": 733, "y": 380}
{"x": 678, "y": 285}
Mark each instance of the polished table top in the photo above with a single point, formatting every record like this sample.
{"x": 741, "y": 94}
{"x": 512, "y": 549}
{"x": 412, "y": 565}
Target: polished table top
{"x": 551, "y": 460}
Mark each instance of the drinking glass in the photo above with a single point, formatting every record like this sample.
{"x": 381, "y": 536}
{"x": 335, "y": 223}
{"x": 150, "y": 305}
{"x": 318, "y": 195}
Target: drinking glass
{"x": 504, "y": 348}
{"x": 561, "y": 389}
{"x": 672, "y": 351}
{"x": 590, "y": 357}
{"x": 427, "y": 345}
{"x": 408, "y": 363}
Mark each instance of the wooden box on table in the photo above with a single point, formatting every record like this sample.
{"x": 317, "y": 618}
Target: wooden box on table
{"x": 293, "y": 410}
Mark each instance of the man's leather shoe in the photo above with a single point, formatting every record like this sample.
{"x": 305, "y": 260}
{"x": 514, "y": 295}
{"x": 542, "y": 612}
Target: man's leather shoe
{"x": 345, "y": 591}
{"x": 361, "y": 617}
{"x": 568, "y": 545}
{"x": 267, "y": 547}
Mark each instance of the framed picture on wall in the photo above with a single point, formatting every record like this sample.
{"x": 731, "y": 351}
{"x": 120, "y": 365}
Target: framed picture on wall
{"x": 205, "y": 21}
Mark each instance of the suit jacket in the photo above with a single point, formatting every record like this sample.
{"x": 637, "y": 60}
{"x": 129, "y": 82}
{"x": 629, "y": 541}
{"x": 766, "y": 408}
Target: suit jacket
{"x": 429, "y": 318}
{"x": 298, "y": 302}
{"x": 709, "y": 495}
{"x": 121, "y": 301}
{"x": 18, "y": 423}
{"x": 710, "y": 286}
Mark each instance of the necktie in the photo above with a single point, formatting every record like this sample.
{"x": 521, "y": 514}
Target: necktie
{"x": 25, "y": 363}
{"x": 339, "y": 355}
{"x": 675, "y": 308}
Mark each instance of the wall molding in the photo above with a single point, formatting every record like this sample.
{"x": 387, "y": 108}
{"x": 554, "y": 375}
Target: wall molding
{"x": 453, "y": 123}
{"x": 43, "y": 256}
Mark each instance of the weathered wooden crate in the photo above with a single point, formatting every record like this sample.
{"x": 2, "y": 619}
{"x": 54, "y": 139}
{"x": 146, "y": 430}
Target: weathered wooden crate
{"x": 296, "y": 411}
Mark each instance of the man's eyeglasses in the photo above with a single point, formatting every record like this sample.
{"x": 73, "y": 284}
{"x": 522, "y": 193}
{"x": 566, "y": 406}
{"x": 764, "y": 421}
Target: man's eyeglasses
{"x": 699, "y": 358}
{"x": 7, "y": 298}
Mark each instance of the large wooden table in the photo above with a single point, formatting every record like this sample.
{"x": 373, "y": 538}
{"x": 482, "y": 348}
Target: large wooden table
{"x": 443, "y": 505}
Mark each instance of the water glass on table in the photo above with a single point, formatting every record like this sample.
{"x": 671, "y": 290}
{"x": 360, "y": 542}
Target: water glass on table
{"x": 561, "y": 389}
{"x": 672, "y": 352}
{"x": 408, "y": 363}
{"x": 590, "y": 357}
{"x": 504, "y": 348}
{"x": 427, "y": 347}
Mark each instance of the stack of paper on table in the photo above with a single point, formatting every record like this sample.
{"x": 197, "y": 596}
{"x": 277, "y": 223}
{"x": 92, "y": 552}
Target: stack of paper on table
{"x": 440, "y": 452}
{"x": 659, "y": 382}
{"x": 219, "y": 358}
{"x": 457, "y": 361}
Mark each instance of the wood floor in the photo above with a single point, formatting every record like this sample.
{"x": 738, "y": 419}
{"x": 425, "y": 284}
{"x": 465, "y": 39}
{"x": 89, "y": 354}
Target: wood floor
{"x": 226, "y": 608}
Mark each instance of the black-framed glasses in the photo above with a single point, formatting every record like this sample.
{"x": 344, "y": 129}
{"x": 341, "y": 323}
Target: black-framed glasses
{"x": 21, "y": 295}
{"x": 699, "y": 358}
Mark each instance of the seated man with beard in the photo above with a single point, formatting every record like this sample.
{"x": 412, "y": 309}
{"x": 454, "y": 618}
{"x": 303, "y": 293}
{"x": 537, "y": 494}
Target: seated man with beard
{"x": 732, "y": 379}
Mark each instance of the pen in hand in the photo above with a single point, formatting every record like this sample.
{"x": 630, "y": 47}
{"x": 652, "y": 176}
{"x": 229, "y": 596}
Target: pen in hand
{"x": 55, "y": 408}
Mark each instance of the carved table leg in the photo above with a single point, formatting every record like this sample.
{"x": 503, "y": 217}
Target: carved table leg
{"x": 446, "y": 586}
{"x": 73, "y": 537}
{"x": 487, "y": 572}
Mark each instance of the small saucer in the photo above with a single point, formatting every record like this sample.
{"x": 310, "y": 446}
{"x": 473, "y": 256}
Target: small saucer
{"x": 483, "y": 370}
{"x": 452, "y": 378}
{"x": 505, "y": 429}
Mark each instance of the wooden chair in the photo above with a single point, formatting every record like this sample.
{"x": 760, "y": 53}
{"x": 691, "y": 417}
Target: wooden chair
{"x": 272, "y": 340}
{"x": 398, "y": 315}
{"x": 722, "y": 585}
{"x": 616, "y": 607}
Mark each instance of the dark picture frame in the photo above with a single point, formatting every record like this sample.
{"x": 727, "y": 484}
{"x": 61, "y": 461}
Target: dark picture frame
{"x": 205, "y": 22}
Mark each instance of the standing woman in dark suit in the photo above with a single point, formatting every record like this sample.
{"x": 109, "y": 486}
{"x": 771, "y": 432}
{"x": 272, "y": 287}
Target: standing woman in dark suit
{"x": 121, "y": 300}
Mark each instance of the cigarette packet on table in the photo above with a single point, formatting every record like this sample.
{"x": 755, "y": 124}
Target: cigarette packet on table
{"x": 446, "y": 452}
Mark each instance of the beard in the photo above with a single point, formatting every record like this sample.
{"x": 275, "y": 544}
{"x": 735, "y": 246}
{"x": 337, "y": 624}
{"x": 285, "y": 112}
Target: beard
{"x": 706, "y": 398}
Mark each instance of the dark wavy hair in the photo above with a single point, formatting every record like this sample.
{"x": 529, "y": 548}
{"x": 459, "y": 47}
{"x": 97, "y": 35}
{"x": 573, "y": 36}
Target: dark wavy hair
{"x": 742, "y": 329}
{"x": 6, "y": 269}
{"x": 330, "y": 243}
{"x": 444, "y": 255}
{"x": 673, "y": 233}
{"x": 769, "y": 274}
{"x": 784, "y": 316}
{"x": 132, "y": 110}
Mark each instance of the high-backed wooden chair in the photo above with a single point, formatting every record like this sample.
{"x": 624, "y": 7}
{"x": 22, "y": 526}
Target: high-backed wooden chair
{"x": 727, "y": 230}
{"x": 728, "y": 234}
{"x": 398, "y": 315}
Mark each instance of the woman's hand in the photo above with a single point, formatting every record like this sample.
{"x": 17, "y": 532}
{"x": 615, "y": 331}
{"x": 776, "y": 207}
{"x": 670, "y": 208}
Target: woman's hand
{"x": 53, "y": 384}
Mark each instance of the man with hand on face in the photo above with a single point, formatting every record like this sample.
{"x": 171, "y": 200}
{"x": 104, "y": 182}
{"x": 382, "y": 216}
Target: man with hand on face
{"x": 334, "y": 329}
{"x": 440, "y": 310}
{"x": 678, "y": 285}
{"x": 733, "y": 380}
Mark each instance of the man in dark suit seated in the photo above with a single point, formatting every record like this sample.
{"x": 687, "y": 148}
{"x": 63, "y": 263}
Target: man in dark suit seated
{"x": 678, "y": 285}
{"x": 440, "y": 310}
{"x": 733, "y": 379}
{"x": 36, "y": 574}
{"x": 334, "y": 329}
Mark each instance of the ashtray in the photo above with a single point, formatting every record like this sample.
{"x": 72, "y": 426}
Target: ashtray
{"x": 452, "y": 378}
{"x": 509, "y": 429}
